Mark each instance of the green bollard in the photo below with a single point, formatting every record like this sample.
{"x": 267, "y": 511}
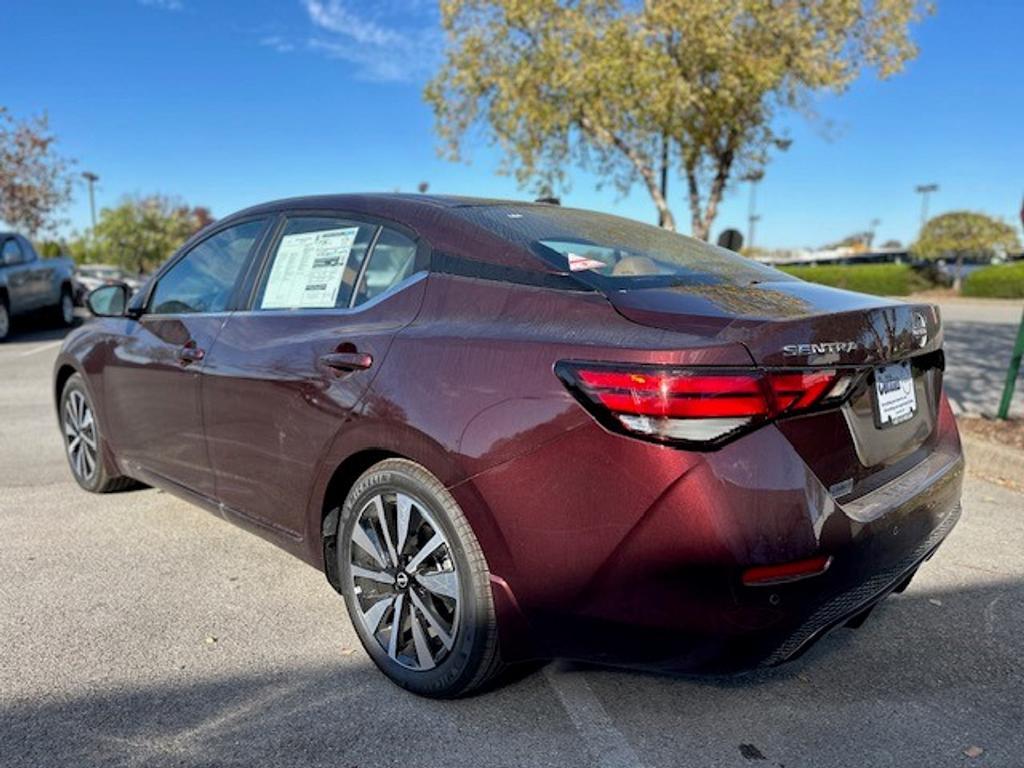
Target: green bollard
{"x": 1014, "y": 369}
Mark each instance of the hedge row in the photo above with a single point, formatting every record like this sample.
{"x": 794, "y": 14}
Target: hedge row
{"x": 879, "y": 279}
{"x": 999, "y": 281}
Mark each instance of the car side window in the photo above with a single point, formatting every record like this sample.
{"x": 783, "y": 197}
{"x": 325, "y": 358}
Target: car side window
{"x": 28, "y": 253}
{"x": 315, "y": 263}
{"x": 11, "y": 253}
{"x": 205, "y": 277}
{"x": 393, "y": 259}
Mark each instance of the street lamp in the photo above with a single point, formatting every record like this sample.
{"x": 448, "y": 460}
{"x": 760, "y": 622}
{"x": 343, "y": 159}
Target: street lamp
{"x": 924, "y": 190}
{"x": 91, "y": 178}
{"x": 871, "y": 232}
{"x": 752, "y": 218}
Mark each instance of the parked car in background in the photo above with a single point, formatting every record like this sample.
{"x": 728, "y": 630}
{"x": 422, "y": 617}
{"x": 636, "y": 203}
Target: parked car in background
{"x": 89, "y": 277}
{"x": 507, "y": 431}
{"x": 29, "y": 283}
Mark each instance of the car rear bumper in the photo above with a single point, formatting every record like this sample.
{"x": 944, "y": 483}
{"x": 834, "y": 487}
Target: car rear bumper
{"x": 669, "y": 594}
{"x": 853, "y": 604}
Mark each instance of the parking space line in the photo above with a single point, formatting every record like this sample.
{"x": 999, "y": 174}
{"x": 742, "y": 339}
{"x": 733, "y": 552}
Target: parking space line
{"x": 40, "y": 348}
{"x": 607, "y": 746}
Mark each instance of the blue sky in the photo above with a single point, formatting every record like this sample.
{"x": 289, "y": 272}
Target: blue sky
{"x": 226, "y": 104}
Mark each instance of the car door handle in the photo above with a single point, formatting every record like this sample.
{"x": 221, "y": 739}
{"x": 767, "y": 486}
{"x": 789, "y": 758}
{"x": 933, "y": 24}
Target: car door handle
{"x": 190, "y": 353}
{"x": 347, "y": 361}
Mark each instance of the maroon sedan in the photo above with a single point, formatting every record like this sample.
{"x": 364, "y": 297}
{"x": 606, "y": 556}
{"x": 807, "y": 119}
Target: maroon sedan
{"x": 509, "y": 431}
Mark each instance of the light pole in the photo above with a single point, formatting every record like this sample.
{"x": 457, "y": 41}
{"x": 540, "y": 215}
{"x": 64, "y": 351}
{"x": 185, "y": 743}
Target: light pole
{"x": 91, "y": 178}
{"x": 752, "y": 218}
{"x": 924, "y": 190}
{"x": 871, "y": 232}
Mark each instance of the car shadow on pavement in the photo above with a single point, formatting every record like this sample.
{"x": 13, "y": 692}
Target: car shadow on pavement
{"x": 928, "y": 673}
{"x": 977, "y": 356}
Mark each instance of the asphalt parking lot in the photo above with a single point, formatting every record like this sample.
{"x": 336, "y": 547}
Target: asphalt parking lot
{"x": 136, "y": 630}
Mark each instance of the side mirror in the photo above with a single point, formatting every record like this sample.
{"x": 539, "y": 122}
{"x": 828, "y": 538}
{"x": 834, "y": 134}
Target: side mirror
{"x": 109, "y": 300}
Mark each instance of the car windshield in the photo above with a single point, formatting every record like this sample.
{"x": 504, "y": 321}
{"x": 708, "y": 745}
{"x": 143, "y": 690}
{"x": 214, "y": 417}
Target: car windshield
{"x": 616, "y": 253}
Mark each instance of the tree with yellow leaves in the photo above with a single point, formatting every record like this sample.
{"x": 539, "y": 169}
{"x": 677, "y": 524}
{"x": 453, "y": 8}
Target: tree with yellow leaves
{"x": 633, "y": 90}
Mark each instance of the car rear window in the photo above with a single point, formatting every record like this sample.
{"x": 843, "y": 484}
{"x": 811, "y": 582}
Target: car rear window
{"x": 615, "y": 253}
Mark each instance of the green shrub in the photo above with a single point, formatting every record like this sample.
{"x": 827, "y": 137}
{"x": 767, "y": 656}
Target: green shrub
{"x": 879, "y": 279}
{"x": 999, "y": 281}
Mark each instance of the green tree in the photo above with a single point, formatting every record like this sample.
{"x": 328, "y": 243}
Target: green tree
{"x": 632, "y": 90}
{"x": 35, "y": 182}
{"x": 961, "y": 234}
{"x": 141, "y": 232}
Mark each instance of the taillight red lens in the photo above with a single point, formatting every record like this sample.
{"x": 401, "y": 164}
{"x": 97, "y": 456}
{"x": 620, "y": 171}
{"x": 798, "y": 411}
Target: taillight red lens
{"x": 698, "y": 404}
{"x": 800, "y": 389}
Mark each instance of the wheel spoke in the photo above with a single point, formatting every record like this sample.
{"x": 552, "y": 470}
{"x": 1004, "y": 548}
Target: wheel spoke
{"x": 90, "y": 462}
{"x": 379, "y": 576}
{"x": 404, "y": 504}
{"x": 443, "y": 583}
{"x": 378, "y": 508}
{"x": 69, "y": 411}
{"x": 362, "y": 540}
{"x": 75, "y": 442}
{"x": 432, "y": 619}
{"x": 373, "y": 616}
{"x": 396, "y": 627}
{"x": 419, "y": 639}
{"x": 436, "y": 541}
{"x": 88, "y": 440}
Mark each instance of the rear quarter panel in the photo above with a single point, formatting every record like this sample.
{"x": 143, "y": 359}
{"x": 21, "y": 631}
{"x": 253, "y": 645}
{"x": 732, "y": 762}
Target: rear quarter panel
{"x": 470, "y": 386}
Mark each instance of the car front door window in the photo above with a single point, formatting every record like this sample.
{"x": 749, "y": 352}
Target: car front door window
{"x": 204, "y": 279}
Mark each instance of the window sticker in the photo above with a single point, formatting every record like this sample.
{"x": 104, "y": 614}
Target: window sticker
{"x": 308, "y": 268}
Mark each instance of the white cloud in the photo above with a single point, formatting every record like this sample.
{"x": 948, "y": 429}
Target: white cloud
{"x": 378, "y": 46}
{"x": 163, "y": 5}
{"x": 334, "y": 16}
{"x": 277, "y": 43}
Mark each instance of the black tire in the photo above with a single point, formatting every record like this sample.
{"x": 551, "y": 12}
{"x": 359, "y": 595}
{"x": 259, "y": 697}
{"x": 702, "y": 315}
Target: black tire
{"x": 473, "y": 657}
{"x": 5, "y": 319}
{"x": 95, "y": 476}
{"x": 64, "y": 312}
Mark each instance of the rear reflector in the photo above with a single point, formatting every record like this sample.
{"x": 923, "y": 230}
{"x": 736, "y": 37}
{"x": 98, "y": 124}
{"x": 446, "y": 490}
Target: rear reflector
{"x": 762, "y": 575}
{"x": 697, "y": 405}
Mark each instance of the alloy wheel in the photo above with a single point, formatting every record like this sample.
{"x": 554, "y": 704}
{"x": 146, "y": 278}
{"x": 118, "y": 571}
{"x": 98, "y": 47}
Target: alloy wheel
{"x": 80, "y": 435}
{"x": 405, "y": 580}
{"x": 5, "y": 321}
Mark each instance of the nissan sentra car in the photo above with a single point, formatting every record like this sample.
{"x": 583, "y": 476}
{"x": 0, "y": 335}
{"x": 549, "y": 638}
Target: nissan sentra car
{"x": 509, "y": 431}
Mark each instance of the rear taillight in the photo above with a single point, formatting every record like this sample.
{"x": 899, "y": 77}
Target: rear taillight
{"x": 703, "y": 407}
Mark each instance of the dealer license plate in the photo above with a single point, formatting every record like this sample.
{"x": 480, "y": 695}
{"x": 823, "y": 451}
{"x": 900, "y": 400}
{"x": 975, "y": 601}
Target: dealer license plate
{"x": 894, "y": 394}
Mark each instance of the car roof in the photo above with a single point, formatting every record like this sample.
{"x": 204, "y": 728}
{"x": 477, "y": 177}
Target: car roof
{"x": 382, "y": 201}
{"x": 433, "y": 217}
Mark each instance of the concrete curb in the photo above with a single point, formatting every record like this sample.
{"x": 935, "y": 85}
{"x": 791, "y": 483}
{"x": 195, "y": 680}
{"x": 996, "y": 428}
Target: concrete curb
{"x": 991, "y": 460}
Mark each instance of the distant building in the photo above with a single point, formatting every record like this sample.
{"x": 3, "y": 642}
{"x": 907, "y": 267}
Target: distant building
{"x": 841, "y": 255}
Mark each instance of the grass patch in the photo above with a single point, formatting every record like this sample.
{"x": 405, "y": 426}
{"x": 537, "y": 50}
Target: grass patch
{"x": 999, "y": 281}
{"x": 877, "y": 279}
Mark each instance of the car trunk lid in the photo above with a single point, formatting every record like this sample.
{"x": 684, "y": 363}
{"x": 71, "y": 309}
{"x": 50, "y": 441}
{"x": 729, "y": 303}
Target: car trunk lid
{"x": 795, "y": 324}
{"x": 791, "y": 323}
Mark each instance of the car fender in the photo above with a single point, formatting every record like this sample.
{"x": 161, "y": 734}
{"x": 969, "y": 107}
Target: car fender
{"x": 65, "y": 360}
{"x": 364, "y": 434}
